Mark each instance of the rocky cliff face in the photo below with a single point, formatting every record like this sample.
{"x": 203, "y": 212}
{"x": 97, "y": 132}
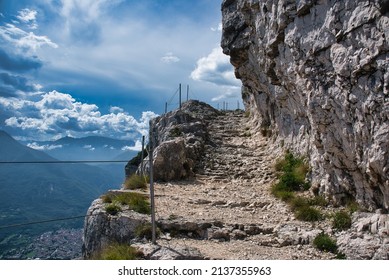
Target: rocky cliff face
{"x": 315, "y": 76}
{"x": 179, "y": 138}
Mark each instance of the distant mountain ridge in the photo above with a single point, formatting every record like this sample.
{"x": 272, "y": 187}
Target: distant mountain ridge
{"x": 11, "y": 150}
{"x": 93, "y": 140}
{"x": 35, "y": 192}
{"x": 86, "y": 148}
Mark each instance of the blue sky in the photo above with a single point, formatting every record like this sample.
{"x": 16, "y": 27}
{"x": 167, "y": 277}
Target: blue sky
{"x": 105, "y": 67}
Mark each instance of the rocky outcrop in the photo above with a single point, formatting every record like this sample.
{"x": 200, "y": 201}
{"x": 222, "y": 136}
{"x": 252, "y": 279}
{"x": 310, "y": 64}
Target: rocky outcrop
{"x": 102, "y": 229}
{"x": 315, "y": 77}
{"x": 178, "y": 140}
{"x": 368, "y": 237}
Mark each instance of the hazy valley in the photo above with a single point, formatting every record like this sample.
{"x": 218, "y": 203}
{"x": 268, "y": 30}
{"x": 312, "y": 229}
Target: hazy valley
{"x": 33, "y": 192}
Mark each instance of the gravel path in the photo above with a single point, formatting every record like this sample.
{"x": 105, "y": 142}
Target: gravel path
{"x": 233, "y": 192}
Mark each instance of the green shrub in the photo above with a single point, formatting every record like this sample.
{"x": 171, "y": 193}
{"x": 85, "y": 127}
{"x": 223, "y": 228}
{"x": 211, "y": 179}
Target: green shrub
{"x": 353, "y": 206}
{"x": 106, "y": 198}
{"x": 113, "y": 208}
{"x": 281, "y": 192}
{"x": 324, "y": 242}
{"x": 308, "y": 214}
{"x": 318, "y": 201}
{"x": 340, "y": 256}
{"x": 135, "y": 201}
{"x": 139, "y": 203}
{"x": 135, "y": 182}
{"x": 297, "y": 203}
{"x": 292, "y": 173}
{"x": 119, "y": 252}
{"x": 341, "y": 221}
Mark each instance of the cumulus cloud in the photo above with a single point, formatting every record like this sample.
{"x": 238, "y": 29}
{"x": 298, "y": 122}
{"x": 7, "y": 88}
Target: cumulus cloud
{"x": 215, "y": 68}
{"x": 57, "y": 113}
{"x": 36, "y": 146}
{"x": 18, "y": 55}
{"x": 170, "y": 58}
{"x": 115, "y": 109}
{"x": 137, "y": 147}
{"x": 24, "y": 40}
{"x": 11, "y": 84}
{"x": 28, "y": 17}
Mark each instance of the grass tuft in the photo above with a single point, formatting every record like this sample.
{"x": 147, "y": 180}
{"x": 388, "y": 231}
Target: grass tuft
{"x": 341, "y": 221}
{"x": 318, "y": 200}
{"x": 135, "y": 201}
{"x": 325, "y": 243}
{"x": 282, "y": 193}
{"x": 297, "y": 203}
{"x": 135, "y": 182}
{"x": 308, "y": 214}
{"x": 119, "y": 252}
{"x": 292, "y": 173}
{"x": 113, "y": 208}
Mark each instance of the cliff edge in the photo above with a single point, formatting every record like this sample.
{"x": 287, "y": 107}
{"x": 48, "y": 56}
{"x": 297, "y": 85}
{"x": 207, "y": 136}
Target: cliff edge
{"x": 315, "y": 77}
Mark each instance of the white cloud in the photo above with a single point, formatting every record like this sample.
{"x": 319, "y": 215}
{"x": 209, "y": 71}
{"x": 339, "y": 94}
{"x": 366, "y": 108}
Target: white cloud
{"x": 36, "y": 146}
{"x": 24, "y": 40}
{"x": 89, "y": 147}
{"x": 28, "y": 17}
{"x": 115, "y": 109}
{"x": 225, "y": 96}
{"x": 169, "y": 57}
{"x": 218, "y": 28}
{"x": 137, "y": 147}
{"x": 92, "y": 9}
{"x": 58, "y": 113}
{"x": 215, "y": 68}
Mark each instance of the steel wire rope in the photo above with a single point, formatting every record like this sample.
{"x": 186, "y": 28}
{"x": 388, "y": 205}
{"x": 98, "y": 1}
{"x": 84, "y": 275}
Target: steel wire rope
{"x": 55, "y": 162}
{"x": 172, "y": 98}
{"x": 63, "y": 161}
{"x": 45, "y": 221}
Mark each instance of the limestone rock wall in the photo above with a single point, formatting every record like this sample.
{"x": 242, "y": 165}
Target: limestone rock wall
{"x": 179, "y": 138}
{"x": 315, "y": 74}
{"x": 102, "y": 229}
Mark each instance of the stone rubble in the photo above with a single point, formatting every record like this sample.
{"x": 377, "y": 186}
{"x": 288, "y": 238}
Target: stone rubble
{"x": 368, "y": 237}
{"x": 228, "y": 203}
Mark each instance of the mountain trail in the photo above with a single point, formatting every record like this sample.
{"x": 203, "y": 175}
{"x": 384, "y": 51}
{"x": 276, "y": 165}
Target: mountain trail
{"x": 232, "y": 193}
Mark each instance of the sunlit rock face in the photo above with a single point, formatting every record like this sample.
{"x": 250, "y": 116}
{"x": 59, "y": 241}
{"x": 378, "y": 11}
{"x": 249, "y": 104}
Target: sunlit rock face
{"x": 179, "y": 137}
{"x": 315, "y": 76}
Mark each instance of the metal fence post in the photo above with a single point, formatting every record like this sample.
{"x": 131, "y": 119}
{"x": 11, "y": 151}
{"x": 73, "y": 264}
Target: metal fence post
{"x": 152, "y": 202}
{"x": 142, "y": 155}
{"x": 180, "y": 96}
